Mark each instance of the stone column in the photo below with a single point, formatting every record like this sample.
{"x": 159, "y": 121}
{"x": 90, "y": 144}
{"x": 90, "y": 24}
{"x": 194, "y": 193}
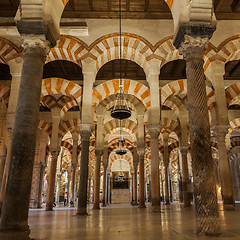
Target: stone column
{"x": 98, "y": 154}
{"x": 59, "y": 177}
{"x": 154, "y": 132}
{"x": 166, "y": 164}
{"x": 73, "y": 177}
{"x": 141, "y": 179}
{"x": 52, "y": 177}
{"x": 166, "y": 194}
{"x": 104, "y": 185}
{"x": 42, "y": 171}
{"x": 206, "y": 207}
{"x": 135, "y": 184}
{"x": 35, "y": 186}
{"x": 108, "y": 188}
{"x": 15, "y": 70}
{"x": 185, "y": 177}
{"x": 85, "y": 132}
{"x": 16, "y": 202}
{"x": 224, "y": 168}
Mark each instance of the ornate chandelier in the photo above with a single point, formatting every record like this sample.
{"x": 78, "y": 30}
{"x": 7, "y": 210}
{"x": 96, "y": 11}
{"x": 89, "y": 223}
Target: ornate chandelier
{"x": 121, "y": 141}
{"x": 121, "y": 109}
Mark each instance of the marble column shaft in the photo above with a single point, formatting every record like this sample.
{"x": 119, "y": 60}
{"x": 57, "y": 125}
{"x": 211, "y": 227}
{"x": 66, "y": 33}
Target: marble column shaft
{"x": 17, "y": 195}
{"x": 206, "y": 207}
{"x": 35, "y": 185}
{"x": 155, "y": 181}
{"x": 104, "y": 185}
{"x": 52, "y": 178}
{"x": 185, "y": 178}
{"x": 83, "y": 181}
{"x": 135, "y": 184}
{"x": 74, "y": 167}
{"x": 42, "y": 171}
{"x": 141, "y": 182}
{"x": 98, "y": 154}
{"x": 224, "y": 168}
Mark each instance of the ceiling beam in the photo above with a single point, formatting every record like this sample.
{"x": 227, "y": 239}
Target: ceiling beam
{"x": 14, "y": 3}
{"x": 91, "y": 4}
{"x": 72, "y": 4}
{"x": 127, "y": 5}
{"x": 235, "y": 5}
{"x": 109, "y": 3}
{"x": 115, "y": 14}
{"x": 218, "y": 5}
{"x": 146, "y": 5}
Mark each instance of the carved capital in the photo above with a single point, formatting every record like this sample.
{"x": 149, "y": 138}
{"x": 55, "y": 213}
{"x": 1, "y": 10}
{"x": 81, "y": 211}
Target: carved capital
{"x": 55, "y": 152}
{"x": 85, "y": 131}
{"x": 184, "y": 150}
{"x": 98, "y": 152}
{"x": 141, "y": 153}
{"x": 34, "y": 44}
{"x": 154, "y": 131}
{"x": 193, "y": 47}
{"x": 220, "y": 133}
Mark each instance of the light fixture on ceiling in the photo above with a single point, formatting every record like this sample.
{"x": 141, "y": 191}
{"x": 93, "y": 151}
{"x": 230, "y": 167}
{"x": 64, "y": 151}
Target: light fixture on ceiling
{"x": 121, "y": 109}
{"x": 121, "y": 141}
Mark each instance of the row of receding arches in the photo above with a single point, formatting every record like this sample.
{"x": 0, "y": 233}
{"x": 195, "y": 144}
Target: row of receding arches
{"x": 103, "y": 51}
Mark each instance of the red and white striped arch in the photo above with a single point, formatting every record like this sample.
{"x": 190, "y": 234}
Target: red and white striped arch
{"x": 4, "y": 93}
{"x": 68, "y": 125}
{"x": 61, "y": 86}
{"x": 235, "y": 123}
{"x": 115, "y": 124}
{"x": 45, "y": 126}
{"x": 180, "y": 87}
{"x": 134, "y": 48}
{"x": 114, "y": 157}
{"x": 131, "y": 87}
{"x": 68, "y": 49}
{"x": 233, "y": 93}
{"x": 8, "y": 51}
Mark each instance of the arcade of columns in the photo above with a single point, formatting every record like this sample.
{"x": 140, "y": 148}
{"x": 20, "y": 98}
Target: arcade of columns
{"x": 169, "y": 148}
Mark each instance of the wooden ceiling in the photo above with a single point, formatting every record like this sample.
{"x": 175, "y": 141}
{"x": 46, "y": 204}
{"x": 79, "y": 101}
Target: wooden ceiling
{"x": 131, "y": 9}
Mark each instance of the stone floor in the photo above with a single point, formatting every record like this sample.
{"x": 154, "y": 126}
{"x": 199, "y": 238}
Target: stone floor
{"x": 123, "y": 222}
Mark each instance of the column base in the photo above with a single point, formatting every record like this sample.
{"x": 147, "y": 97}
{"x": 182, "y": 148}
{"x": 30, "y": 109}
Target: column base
{"x": 228, "y": 207}
{"x": 156, "y": 209}
{"x": 96, "y": 207}
{"x": 14, "y": 234}
{"x": 49, "y": 208}
{"x": 141, "y": 205}
{"x": 82, "y": 214}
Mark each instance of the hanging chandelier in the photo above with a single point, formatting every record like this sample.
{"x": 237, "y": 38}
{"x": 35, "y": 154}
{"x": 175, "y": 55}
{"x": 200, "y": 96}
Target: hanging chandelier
{"x": 121, "y": 109}
{"x": 121, "y": 141}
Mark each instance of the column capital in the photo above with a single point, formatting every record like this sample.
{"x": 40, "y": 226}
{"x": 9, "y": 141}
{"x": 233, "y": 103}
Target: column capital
{"x": 141, "y": 152}
{"x": 220, "y": 132}
{"x": 193, "y": 47}
{"x": 98, "y": 152}
{"x": 184, "y": 150}
{"x": 55, "y": 152}
{"x": 154, "y": 131}
{"x": 85, "y": 131}
{"x": 36, "y": 44}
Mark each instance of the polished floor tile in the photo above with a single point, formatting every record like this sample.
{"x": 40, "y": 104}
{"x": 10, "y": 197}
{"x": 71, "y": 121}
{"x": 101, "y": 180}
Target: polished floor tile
{"x": 123, "y": 222}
